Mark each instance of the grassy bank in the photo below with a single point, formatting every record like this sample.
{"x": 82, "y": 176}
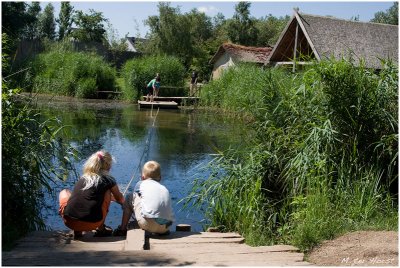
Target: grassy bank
{"x": 324, "y": 160}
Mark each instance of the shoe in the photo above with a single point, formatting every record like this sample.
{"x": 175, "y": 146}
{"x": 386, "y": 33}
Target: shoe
{"x": 119, "y": 232}
{"x": 104, "y": 231}
{"x": 78, "y": 234}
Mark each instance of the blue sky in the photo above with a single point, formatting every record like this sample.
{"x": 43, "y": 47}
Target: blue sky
{"x": 129, "y": 16}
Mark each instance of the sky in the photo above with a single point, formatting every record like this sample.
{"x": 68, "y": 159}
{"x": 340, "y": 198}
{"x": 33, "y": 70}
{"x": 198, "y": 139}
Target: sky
{"x": 127, "y": 17}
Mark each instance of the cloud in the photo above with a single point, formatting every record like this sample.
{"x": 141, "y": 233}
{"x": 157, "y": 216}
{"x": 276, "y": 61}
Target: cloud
{"x": 208, "y": 10}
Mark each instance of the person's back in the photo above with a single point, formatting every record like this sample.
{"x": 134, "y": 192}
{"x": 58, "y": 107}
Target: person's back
{"x": 86, "y": 207}
{"x": 154, "y": 83}
{"x": 150, "y": 202}
{"x": 86, "y": 204}
{"x": 156, "y": 200}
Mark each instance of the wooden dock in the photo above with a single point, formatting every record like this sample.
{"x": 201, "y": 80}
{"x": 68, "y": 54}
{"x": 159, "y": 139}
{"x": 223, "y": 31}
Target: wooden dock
{"x": 158, "y": 104}
{"x": 58, "y": 248}
{"x": 179, "y": 100}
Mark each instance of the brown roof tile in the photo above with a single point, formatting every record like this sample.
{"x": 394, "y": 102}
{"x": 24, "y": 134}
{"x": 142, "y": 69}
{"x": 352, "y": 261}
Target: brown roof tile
{"x": 243, "y": 53}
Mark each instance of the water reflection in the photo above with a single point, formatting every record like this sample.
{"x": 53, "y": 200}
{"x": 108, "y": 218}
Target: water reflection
{"x": 182, "y": 142}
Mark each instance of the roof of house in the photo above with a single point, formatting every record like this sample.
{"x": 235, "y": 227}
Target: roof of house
{"x": 328, "y": 36}
{"x": 133, "y": 40}
{"x": 242, "y": 53}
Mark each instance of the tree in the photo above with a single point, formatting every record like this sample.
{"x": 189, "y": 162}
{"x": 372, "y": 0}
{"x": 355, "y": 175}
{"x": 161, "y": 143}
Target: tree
{"x": 14, "y": 19}
{"x": 47, "y": 23}
{"x": 269, "y": 29}
{"x": 65, "y": 20}
{"x": 200, "y": 26}
{"x": 241, "y": 28}
{"x": 170, "y": 33}
{"x": 90, "y": 26}
{"x": 32, "y": 28}
{"x": 391, "y": 16}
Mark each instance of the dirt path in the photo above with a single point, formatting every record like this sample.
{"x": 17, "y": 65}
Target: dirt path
{"x": 363, "y": 248}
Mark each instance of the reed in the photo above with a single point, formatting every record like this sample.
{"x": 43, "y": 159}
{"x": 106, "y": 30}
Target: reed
{"x": 78, "y": 74}
{"x": 324, "y": 159}
{"x": 32, "y": 157}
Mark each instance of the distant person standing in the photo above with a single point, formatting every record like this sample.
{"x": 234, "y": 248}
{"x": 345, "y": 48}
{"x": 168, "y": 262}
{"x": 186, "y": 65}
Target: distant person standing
{"x": 152, "y": 88}
{"x": 193, "y": 84}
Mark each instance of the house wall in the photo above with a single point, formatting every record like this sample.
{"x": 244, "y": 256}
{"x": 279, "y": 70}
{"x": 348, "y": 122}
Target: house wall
{"x": 224, "y": 62}
{"x": 130, "y": 47}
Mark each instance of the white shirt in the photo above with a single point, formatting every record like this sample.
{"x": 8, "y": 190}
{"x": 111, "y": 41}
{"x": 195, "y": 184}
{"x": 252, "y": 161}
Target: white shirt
{"x": 155, "y": 200}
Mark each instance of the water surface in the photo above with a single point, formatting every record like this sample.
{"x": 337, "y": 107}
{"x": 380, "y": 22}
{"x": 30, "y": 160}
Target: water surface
{"x": 182, "y": 141}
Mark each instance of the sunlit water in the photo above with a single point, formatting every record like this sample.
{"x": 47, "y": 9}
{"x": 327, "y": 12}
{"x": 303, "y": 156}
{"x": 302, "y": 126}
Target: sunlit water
{"x": 183, "y": 142}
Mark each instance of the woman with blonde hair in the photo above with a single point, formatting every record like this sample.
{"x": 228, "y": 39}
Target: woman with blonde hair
{"x": 86, "y": 207}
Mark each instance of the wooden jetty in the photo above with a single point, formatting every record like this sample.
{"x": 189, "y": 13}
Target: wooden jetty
{"x": 58, "y": 248}
{"x": 158, "y": 104}
{"x": 179, "y": 100}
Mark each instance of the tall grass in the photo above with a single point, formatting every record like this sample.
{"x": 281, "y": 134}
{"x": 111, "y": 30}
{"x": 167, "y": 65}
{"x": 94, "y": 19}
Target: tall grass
{"x": 138, "y": 72}
{"x": 78, "y": 74}
{"x": 239, "y": 90}
{"x": 324, "y": 159}
{"x": 32, "y": 156}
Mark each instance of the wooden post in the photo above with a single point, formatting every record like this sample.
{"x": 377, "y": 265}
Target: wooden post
{"x": 183, "y": 228}
{"x": 295, "y": 47}
{"x": 135, "y": 240}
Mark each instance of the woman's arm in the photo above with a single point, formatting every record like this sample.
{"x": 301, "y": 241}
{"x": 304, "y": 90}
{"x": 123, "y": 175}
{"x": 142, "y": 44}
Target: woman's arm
{"x": 117, "y": 195}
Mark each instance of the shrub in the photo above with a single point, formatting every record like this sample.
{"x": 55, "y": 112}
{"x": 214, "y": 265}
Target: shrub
{"x": 138, "y": 72}
{"x": 32, "y": 157}
{"x": 72, "y": 74}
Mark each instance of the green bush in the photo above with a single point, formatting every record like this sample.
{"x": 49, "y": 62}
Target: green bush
{"x": 138, "y": 72}
{"x": 78, "y": 74}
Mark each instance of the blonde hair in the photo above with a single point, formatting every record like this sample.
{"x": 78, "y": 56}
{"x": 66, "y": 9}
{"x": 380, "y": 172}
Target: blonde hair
{"x": 98, "y": 164}
{"x": 152, "y": 169}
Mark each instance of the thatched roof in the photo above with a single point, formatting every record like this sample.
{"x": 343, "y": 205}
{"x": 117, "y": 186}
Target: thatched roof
{"x": 323, "y": 37}
{"x": 242, "y": 53}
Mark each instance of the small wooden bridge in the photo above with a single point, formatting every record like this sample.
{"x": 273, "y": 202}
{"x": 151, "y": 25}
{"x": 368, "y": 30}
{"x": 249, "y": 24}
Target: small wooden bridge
{"x": 167, "y": 102}
{"x": 58, "y": 248}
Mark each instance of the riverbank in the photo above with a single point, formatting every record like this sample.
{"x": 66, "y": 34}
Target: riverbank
{"x": 54, "y": 100}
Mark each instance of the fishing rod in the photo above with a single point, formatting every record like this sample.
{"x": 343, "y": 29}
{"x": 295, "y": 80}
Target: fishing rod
{"x": 145, "y": 151}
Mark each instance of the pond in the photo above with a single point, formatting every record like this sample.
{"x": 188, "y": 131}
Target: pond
{"x": 182, "y": 141}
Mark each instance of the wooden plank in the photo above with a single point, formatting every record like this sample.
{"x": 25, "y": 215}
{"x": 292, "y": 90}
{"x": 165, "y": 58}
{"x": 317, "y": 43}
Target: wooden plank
{"x": 109, "y": 92}
{"x": 93, "y": 258}
{"x": 204, "y": 235}
{"x": 135, "y": 240}
{"x": 160, "y": 104}
{"x": 176, "y": 249}
{"x": 197, "y": 238}
{"x": 192, "y": 241}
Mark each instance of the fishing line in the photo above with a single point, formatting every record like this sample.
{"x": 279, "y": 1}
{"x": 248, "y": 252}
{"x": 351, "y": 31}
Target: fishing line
{"x": 145, "y": 151}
